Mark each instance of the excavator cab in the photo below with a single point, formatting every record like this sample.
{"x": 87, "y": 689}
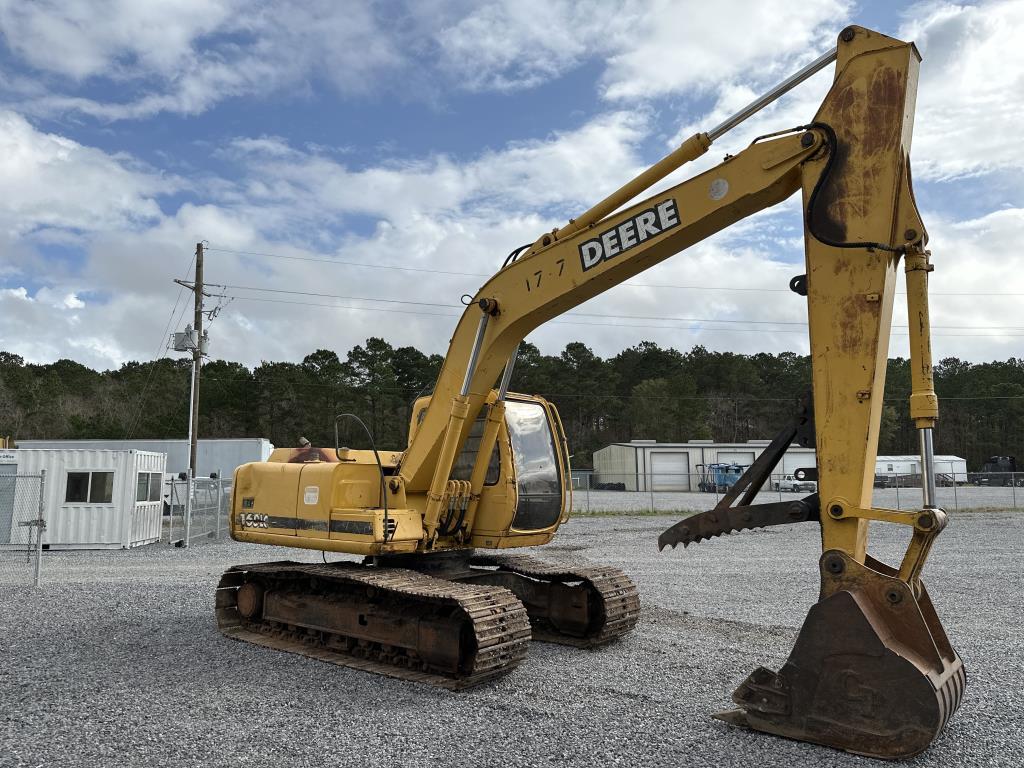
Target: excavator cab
{"x": 349, "y": 500}
{"x": 526, "y": 492}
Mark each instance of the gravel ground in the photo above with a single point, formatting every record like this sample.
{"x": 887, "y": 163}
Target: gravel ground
{"x": 117, "y": 661}
{"x": 950, "y": 499}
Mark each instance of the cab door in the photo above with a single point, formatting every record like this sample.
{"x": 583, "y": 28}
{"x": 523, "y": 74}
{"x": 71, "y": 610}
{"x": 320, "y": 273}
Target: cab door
{"x": 539, "y": 473}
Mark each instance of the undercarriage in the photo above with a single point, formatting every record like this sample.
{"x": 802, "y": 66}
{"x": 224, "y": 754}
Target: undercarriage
{"x": 453, "y": 620}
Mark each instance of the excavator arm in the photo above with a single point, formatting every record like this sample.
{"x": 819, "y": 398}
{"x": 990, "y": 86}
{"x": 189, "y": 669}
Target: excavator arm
{"x": 872, "y": 671}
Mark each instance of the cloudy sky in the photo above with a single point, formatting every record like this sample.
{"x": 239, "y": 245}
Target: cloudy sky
{"x": 355, "y": 167}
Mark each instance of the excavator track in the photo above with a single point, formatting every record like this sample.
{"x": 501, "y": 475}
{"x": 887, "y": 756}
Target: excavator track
{"x": 582, "y": 607}
{"x": 391, "y": 621}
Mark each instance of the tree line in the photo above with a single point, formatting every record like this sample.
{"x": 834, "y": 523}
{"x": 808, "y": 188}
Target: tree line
{"x": 644, "y": 392}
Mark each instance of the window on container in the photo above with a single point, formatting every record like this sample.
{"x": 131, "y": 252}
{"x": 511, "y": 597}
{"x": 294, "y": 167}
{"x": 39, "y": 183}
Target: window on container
{"x": 148, "y": 486}
{"x": 78, "y": 487}
{"x": 101, "y": 487}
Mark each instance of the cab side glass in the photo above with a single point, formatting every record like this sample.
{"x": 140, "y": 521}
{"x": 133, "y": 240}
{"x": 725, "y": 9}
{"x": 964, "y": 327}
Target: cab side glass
{"x": 538, "y": 479}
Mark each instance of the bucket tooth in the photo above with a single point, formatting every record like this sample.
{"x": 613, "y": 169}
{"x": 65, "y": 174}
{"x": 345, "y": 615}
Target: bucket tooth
{"x": 872, "y": 671}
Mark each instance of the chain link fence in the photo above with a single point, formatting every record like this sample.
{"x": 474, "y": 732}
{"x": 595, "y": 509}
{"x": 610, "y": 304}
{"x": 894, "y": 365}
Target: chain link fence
{"x": 604, "y": 493}
{"x": 199, "y": 509}
{"x": 192, "y": 511}
{"x": 22, "y": 524}
{"x": 196, "y": 509}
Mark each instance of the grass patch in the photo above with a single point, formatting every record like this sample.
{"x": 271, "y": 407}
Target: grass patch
{"x": 955, "y": 511}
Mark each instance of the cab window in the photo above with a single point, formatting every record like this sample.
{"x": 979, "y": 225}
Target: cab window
{"x": 467, "y": 456}
{"x": 538, "y": 475}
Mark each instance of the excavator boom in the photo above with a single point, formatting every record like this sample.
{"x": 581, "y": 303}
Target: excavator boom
{"x": 872, "y": 671}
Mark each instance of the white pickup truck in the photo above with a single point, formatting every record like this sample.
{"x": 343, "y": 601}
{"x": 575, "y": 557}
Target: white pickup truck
{"x": 790, "y": 483}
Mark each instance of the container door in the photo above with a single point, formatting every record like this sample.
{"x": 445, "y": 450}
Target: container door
{"x": 8, "y": 483}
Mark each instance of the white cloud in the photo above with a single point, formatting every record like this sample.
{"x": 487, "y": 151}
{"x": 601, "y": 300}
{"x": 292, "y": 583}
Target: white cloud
{"x": 59, "y": 299}
{"x": 651, "y": 48}
{"x": 991, "y": 288}
{"x": 47, "y": 180}
{"x": 114, "y": 307}
{"x": 560, "y": 170}
{"x": 711, "y": 44}
{"x": 970, "y": 106}
{"x": 84, "y": 38}
{"x": 434, "y": 213}
{"x": 185, "y": 57}
{"x": 519, "y": 44}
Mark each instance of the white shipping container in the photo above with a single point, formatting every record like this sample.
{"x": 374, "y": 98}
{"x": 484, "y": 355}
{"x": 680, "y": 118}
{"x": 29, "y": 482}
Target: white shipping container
{"x": 212, "y": 455}
{"x": 94, "y": 499}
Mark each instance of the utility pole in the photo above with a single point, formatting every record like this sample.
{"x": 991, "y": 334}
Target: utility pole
{"x": 192, "y": 340}
{"x": 197, "y": 361}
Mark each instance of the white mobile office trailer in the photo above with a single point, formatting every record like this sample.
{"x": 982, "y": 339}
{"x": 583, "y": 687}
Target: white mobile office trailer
{"x": 947, "y": 468}
{"x": 93, "y": 499}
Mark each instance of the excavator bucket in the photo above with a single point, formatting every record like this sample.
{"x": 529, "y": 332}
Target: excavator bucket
{"x": 872, "y": 671}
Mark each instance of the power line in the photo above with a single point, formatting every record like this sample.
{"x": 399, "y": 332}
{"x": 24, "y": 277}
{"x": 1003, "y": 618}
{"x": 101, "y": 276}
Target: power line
{"x": 328, "y": 295}
{"x": 344, "y": 306}
{"x": 568, "y": 314}
{"x": 589, "y": 314}
{"x": 395, "y": 267}
{"x": 778, "y": 322}
{"x": 605, "y": 315}
{"x": 163, "y": 341}
{"x": 558, "y": 322}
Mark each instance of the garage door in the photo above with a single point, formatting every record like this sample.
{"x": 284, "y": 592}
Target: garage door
{"x": 744, "y": 458}
{"x": 671, "y": 471}
{"x": 792, "y": 461}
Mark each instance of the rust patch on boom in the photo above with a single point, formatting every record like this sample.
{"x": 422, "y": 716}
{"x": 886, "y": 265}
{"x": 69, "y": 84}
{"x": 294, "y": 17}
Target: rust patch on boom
{"x": 851, "y": 328}
{"x": 886, "y": 94}
{"x": 867, "y": 116}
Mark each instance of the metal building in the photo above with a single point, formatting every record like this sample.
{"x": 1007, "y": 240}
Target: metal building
{"x": 216, "y": 455}
{"x": 645, "y": 465}
{"x": 93, "y": 499}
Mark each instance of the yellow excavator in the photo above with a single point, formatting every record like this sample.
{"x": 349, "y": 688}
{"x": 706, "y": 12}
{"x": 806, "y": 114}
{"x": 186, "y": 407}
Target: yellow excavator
{"x": 437, "y": 599}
